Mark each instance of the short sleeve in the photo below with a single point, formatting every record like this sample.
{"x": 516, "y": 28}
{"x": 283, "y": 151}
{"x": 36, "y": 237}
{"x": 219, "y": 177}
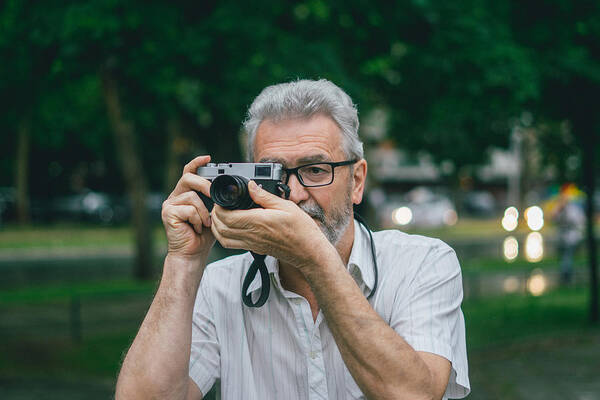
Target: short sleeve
{"x": 429, "y": 317}
{"x": 205, "y": 358}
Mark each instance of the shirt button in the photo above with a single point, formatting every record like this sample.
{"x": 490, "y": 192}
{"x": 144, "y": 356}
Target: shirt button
{"x": 313, "y": 355}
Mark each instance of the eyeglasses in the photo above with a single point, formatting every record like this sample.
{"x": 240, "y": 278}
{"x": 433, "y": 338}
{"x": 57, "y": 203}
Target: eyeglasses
{"x": 314, "y": 174}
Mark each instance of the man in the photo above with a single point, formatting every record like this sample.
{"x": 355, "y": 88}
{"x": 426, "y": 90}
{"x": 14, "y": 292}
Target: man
{"x": 570, "y": 219}
{"x": 317, "y": 336}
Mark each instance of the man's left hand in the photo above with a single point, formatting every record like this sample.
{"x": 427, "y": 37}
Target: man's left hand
{"x": 280, "y": 229}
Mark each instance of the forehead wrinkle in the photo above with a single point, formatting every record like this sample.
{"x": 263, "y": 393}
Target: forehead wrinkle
{"x": 290, "y": 141}
{"x": 276, "y": 151}
{"x": 302, "y": 160}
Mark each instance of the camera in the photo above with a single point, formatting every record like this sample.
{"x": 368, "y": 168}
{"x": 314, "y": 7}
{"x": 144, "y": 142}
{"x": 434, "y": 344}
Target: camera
{"x": 229, "y": 187}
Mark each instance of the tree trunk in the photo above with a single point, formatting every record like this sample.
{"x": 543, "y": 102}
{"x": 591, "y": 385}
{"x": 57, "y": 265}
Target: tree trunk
{"x": 22, "y": 170}
{"x": 584, "y": 128}
{"x": 589, "y": 180}
{"x": 135, "y": 180}
{"x": 174, "y": 141}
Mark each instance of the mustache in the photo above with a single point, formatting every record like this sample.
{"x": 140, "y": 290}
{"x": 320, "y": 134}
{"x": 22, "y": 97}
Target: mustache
{"x": 314, "y": 211}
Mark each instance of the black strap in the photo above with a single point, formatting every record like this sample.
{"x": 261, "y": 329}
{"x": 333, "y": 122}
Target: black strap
{"x": 258, "y": 265}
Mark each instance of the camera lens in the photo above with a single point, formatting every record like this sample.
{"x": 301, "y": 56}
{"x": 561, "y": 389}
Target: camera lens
{"x": 231, "y": 191}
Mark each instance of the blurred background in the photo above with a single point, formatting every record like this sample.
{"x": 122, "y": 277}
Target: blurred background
{"x": 480, "y": 121}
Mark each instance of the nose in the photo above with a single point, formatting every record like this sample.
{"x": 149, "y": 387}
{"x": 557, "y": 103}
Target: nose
{"x": 298, "y": 192}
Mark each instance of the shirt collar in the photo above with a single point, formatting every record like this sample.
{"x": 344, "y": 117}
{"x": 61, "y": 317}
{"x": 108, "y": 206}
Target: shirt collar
{"x": 360, "y": 263}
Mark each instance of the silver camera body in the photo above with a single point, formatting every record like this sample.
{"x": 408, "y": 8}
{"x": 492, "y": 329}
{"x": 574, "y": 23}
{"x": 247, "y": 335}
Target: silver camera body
{"x": 229, "y": 187}
{"x": 251, "y": 171}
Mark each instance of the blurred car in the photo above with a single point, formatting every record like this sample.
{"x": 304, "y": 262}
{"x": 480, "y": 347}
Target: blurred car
{"x": 92, "y": 206}
{"x": 89, "y": 206}
{"x": 420, "y": 207}
{"x": 479, "y": 203}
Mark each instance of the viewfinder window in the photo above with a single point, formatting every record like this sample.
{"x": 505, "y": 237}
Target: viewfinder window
{"x": 262, "y": 170}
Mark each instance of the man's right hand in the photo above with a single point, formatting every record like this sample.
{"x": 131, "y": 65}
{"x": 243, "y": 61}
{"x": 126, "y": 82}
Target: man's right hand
{"x": 185, "y": 217}
{"x": 157, "y": 363}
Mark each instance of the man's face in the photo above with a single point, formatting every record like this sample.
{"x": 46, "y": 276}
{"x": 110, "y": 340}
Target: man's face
{"x": 296, "y": 142}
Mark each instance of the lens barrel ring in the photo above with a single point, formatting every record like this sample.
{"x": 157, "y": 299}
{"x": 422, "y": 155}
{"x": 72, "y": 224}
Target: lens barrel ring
{"x": 231, "y": 192}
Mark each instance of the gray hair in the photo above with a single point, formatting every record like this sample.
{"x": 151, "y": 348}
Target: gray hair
{"x": 304, "y": 99}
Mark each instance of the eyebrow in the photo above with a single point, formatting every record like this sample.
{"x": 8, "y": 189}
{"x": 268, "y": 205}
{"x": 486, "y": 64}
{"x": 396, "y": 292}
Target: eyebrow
{"x": 301, "y": 161}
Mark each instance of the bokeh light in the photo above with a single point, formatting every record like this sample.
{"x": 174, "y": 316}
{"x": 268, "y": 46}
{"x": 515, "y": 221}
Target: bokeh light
{"x": 450, "y": 218}
{"x": 534, "y": 217}
{"x": 511, "y": 284}
{"x": 510, "y": 248}
{"x": 402, "y": 216}
{"x": 537, "y": 283}
{"x": 512, "y": 212}
{"x": 534, "y": 247}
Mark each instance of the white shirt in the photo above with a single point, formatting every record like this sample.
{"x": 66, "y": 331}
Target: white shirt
{"x": 278, "y": 352}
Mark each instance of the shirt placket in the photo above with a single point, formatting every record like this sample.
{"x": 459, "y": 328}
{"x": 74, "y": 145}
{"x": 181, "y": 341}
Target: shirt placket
{"x": 313, "y": 349}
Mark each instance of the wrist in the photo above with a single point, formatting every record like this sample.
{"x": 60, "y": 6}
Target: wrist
{"x": 183, "y": 271}
{"x": 321, "y": 255}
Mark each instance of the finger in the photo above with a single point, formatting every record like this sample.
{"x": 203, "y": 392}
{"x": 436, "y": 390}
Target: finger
{"x": 192, "y": 198}
{"x": 221, "y": 232}
{"x": 193, "y": 165}
{"x": 228, "y": 218}
{"x": 176, "y": 214}
{"x": 191, "y": 181}
{"x": 264, "y": 198}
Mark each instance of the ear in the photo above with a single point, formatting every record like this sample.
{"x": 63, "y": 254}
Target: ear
{"x": 359, "y": 178}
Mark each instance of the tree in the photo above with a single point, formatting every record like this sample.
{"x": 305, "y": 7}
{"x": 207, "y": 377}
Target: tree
{"x": 23, "y": 81}
{"x": 564, "y": 38}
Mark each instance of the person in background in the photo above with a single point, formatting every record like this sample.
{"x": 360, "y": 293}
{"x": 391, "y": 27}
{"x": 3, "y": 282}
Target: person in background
{"x": 570, "y": 220}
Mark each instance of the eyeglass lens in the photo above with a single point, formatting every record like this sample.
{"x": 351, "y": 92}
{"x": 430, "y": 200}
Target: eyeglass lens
{"x": 314, "y": 174}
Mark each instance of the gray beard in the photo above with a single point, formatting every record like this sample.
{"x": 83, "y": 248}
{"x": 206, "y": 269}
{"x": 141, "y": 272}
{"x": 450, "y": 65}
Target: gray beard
{"x": 333, "y": 226}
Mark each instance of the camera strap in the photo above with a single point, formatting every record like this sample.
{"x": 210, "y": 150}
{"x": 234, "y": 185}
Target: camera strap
{"x": 258, "y": 265}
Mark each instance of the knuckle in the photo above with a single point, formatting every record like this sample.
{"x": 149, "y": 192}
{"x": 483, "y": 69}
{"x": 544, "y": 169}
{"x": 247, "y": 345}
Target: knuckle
{"x": 224, "y": 230}
{"x": 165, "y": 211}
{"x": 187, "y": 177}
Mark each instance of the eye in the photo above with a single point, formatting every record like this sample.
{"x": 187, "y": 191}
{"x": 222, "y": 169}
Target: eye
{"x": 316, "y": 170}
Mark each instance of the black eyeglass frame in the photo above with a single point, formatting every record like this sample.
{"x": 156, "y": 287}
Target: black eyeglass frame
{"x": 294, "y": 171}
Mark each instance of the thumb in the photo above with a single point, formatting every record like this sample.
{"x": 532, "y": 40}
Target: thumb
{"x": 262, "y": 197}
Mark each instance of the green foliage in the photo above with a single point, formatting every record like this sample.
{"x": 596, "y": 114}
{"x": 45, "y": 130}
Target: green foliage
{"x": 452, "y": 75}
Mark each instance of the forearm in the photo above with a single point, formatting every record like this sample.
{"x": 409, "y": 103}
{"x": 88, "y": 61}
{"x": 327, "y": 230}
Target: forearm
{"x": 156, "y": 365}
{"x": 381, "y": 362}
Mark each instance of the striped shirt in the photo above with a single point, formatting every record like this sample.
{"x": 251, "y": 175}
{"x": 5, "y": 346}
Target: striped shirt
{"x": 277, "y": 351}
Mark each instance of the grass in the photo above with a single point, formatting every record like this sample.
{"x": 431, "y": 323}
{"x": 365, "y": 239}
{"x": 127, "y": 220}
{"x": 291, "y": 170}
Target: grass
{"x": 70, "y": 235}
{"x": 59, "y": 292}
{"x": 86, "y": 235}
{"x": 474, "y": 228}
{"x": 490, "y": 321}
{"x": 490, "y": 264}
{"x": 506, "y": 336}
{"x": 499, "y": 321}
